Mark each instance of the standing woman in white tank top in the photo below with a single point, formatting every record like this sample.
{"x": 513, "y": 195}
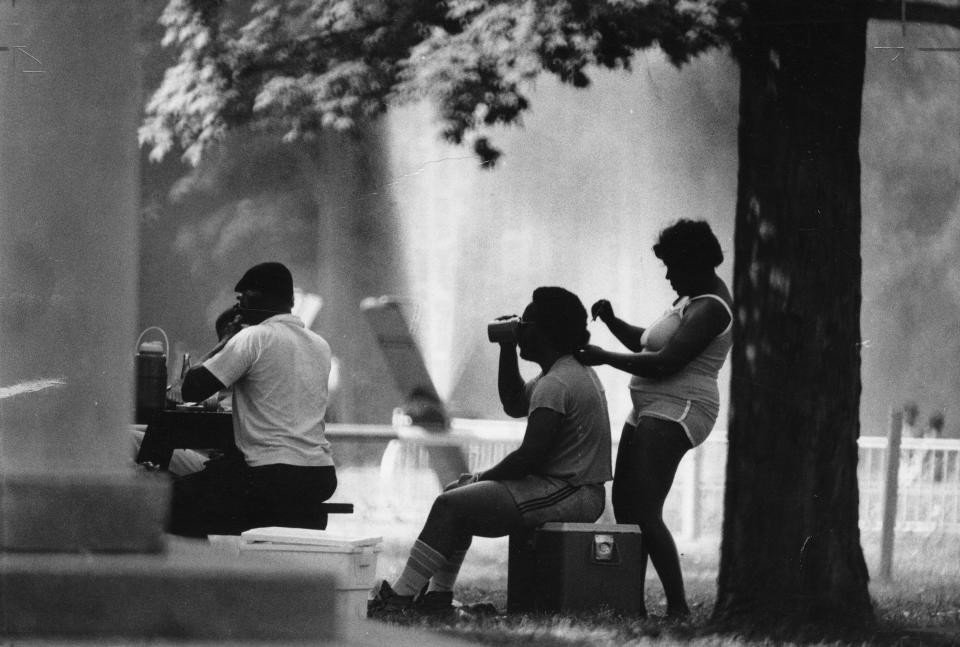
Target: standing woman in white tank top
{"x": 674, "y": 363}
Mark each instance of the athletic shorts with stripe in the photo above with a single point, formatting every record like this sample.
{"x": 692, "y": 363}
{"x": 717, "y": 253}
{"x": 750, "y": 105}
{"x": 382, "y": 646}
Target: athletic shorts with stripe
{"x": 544, "y": 498}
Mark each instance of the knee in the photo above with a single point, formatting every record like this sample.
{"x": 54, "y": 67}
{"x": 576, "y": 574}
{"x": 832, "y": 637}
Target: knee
{"x": 631, "y": 509}
{"x": 444, "y": 508}
{"x": 443, "y": 522}
{"x": 652, "y": 525}
{"x": 630, "y": 514}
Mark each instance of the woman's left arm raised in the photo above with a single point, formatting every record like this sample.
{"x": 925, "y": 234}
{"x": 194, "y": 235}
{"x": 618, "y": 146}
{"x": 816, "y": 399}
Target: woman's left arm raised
{"x": 703, "y": 320}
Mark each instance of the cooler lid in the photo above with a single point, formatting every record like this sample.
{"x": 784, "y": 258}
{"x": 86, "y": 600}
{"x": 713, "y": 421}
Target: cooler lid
{"x": 304, "y": 537}
{"x": 564, "y": 526}
{"x": 307, "y": 549}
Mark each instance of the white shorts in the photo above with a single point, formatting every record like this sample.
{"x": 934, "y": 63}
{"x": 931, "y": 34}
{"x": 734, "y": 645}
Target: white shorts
{"x": 696, "y": 418}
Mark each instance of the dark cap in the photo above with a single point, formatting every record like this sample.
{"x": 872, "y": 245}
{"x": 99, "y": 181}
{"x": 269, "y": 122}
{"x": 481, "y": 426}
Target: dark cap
{"x": 269, "y": 278}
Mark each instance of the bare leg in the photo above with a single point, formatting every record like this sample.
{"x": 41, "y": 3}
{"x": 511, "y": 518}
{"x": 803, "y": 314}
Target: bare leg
{"x": 646, "y": 466}
{"x": 625, "y": 503}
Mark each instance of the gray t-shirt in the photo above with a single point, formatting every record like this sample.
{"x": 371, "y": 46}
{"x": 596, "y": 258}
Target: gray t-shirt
{"x": 581, "y": 454}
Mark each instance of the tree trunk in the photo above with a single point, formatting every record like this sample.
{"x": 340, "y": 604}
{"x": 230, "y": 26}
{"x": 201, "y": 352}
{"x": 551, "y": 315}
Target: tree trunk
{"x": 791, "y": 556}
{"x": 357, "y": 257}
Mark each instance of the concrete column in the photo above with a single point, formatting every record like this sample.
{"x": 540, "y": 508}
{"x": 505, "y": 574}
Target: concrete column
{"x": 70, "y": 499}
{"x": 69, "y": 109}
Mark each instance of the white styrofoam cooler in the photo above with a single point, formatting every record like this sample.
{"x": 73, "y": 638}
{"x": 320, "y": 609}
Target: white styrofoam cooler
{"x": 352, "y": 560}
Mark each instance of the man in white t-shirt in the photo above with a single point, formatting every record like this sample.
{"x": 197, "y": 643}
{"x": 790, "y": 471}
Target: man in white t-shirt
{"x": 279, "y": 372}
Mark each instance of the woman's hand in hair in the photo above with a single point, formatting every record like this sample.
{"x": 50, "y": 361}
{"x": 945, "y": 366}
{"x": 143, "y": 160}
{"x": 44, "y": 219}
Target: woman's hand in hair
{"x": 590, "y": 355}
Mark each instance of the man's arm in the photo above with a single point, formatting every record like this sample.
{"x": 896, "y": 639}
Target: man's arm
{"x": 510, "y": 382}
{"x": 199, "y": 384}
{"x": 540, "y": 436}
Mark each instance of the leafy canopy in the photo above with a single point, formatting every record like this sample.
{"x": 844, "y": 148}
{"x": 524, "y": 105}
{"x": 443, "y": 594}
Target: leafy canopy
{"x": 296, "y": 67}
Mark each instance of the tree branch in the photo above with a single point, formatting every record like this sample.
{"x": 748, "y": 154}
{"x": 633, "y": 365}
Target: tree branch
{"x": 925, "y": 12}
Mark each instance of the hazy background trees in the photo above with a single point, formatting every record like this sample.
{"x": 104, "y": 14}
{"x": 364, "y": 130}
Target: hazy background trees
{"x": 911, "y": 292}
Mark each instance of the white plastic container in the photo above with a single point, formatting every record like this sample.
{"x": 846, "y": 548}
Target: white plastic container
{"x": 352, "y": 560}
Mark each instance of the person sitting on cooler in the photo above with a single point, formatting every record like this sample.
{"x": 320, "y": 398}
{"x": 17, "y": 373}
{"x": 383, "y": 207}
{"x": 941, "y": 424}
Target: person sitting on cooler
{"x": 557, "y": 473}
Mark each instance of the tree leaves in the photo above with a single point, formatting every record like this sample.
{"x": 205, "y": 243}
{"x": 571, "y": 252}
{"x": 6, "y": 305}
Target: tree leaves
{"x": 295, "y": 67}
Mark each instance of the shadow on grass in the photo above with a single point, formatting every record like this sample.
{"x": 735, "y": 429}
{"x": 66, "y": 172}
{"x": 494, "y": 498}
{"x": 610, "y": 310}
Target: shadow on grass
{"x": 920, "y": 607}
{"x": 906, "y": 617}
{"x": 604, "y": 629}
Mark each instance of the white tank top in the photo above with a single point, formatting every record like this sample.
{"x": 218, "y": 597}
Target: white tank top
{"x": 697, "y": 380}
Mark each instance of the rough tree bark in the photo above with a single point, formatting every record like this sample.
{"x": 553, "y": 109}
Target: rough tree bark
{"x": 791, "y": 555}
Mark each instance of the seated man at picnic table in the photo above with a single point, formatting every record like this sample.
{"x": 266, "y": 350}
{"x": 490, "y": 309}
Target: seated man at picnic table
{"x": 557, "y": 473}
{"x": 278, "y": 370}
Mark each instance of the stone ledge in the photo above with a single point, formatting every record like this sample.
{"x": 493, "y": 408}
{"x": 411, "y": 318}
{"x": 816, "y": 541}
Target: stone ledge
{"x": 192, "y": 592}
{"x": 83, "y": 512}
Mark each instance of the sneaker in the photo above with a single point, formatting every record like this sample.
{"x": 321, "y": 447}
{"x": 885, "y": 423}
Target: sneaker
{"x": 435, "y": 603}
{"x": 387, "y": 603}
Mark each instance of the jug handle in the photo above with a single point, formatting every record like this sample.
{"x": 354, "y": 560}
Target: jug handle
{"x": 166, "y": 342}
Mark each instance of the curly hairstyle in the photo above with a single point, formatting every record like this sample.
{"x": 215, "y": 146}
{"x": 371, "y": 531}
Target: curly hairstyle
{"x": 562, "y": 317}
{"x": 689, "y": 243}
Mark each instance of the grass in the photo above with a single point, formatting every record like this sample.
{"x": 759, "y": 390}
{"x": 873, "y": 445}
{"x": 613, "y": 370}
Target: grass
{"x": 920, "y": 607}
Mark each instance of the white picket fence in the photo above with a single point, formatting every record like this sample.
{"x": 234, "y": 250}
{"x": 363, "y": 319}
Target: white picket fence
{"x": 928, "y": 484}
{"x": 927, "y": 492}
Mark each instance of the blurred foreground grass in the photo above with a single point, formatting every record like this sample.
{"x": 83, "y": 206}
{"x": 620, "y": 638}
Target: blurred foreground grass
{"x": 921, "y": 606}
